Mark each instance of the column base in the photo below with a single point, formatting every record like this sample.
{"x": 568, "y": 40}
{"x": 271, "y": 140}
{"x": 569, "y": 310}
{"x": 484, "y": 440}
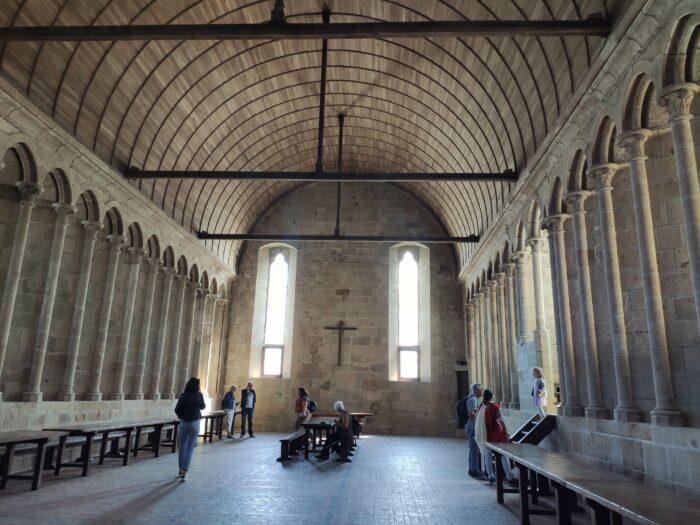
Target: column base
{"x": 93, "y": 396}
{"x": 597, "y": 413}
{"x": 136, "y": 396}
{"x": 154, "y": 396}
{"x": 666, "y": 418}
{"x": 626, "y": 415}
{"x": 515, "y": 406}
{"x": 32, "y": 397}
{"x": 170, "y": 396}
{"x": 65, "y": 396}
{"x": 571, "y": 411}
{"x": 118, "y": 396}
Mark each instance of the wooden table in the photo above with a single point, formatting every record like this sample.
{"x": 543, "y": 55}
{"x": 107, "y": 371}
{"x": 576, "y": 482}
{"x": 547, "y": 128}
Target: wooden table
{"x": 610, "y": 496}
{"x": 213, "y": 424}
{"x": 156, "y": 438}
{"x": 10, "y": 440}
{"x": 317, "y": 426}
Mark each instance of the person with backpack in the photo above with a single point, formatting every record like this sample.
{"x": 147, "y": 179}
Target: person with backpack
{"x": 470, "y": 406}
{"x": 491, "y": 428}
{"x": 228, "y": 405}
{"x": 302, "y": 409}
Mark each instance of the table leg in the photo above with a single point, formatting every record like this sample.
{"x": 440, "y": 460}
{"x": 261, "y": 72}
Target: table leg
{"x": 6, "y": 464}
{"x": 175, "y": 430}
{"x": 534, "y": 487}
{"x": 600, "y": 515}
{"x": 103, "y": 447}
{"x": 38, "y": 464}
{"x": 59, "y": 454}
{"x": 87, "y": 451}
{"x": 137, "y": 440}
{"x": 500, "y": 474}
{"x": 127, "y": 446}
{"x": 524, "y": 503}
{"x": 306, "y": 449}
{"x": 157, "y": 432}
{"x": 565, "y": 503}
{"x": 221, "y": 426}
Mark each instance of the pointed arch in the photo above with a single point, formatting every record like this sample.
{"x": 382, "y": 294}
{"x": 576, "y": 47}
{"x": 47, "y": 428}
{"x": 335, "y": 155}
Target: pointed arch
{"x": 182, "y": 266}
{"x": 134, "y": 236}
{"x": 18, "y": 165}
{"x": 113, "y": 222}
{"x": 577, "y": 173}
{"x": 169, "y": 258}
{"x": 682, "y": 54}
{"x": 88, "y": 207}
{"x": 194, "y": 273}
{"x": 153, "y": 247}
{"x": 604, "y": 142}
{"x": 556, "y": 199}
{"x": 57, "y": 187}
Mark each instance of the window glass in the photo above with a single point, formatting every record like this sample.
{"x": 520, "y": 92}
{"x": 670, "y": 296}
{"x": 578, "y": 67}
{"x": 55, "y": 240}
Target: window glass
{"x": 408, "y": 300}
{"x": 272, "y": 361}
{"x": 408, "y": 364}
{"x": 276, "y": 301}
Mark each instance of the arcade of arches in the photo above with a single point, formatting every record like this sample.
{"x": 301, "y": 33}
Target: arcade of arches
{"x": 587, "y": 266}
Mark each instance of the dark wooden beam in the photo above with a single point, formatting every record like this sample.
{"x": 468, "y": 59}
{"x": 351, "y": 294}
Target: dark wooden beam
{"x": 268, "y": 237}
{"x": 312, "y": 176}
{"x": 278, "y": 31}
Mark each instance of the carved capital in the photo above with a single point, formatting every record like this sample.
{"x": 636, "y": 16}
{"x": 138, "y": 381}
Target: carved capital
{"x": 500, "y": 278}
{"x": 602, "y": 175}
{"x": 192, "y": 286}
{"x": 469, "y": 307}
{"x": 221, "y": 303}
{"x": 509, "y": 269}
{"x": 677, "y": 100}
{"x": 536, "y": 244}
{"x": 520, "y": 256}
{"x": 135, "y": 255}
{"x": 154, "y": 263}
{"x": 91, "y": 229}
{"x": 63, "y": 212}
{"x": 202, "y": 293}
{"x": 575, "y": 200}
{"x": 633, "y": 143}
{"x": 115, "y": 242}
{"x": 555, "y": 223}
{"x": 168, "y": 272}
{"x": 28, "y": 192}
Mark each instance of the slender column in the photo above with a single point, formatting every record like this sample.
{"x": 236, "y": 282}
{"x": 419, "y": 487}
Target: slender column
{"x": 207, "y": 336}
{"x": 133, "y": 259}
{"x": 524, "y": 273}
{"x": 575, "y": 201}
{"x": 555, "y": 226}
{"x": 479, "y": 371}
{"x": 153, "y": 266}
{"x": 471, "y": 340}
{"x": 115, "y": 246}
{"x": 162, "y": 333}
{"x": 219, "y": 304}
{"x": 63, "y": 212}
{"x": 28, "y": 194}
{"x": 495, "y": 343}
{"x": 76, "y": 331}
{"x": 541, "y": 333}
{"x": 503, "y": 339}
{"x": 175, "y": 341}
{"x": 602, "y": 175}
{"x": 678, "y": 100}
{"x": 665, "y": 412}
{"x": 512, "y": 349}
{"x": 201, "y": 306}
{"x": 187, "y": 339}
{"x": 488, "y": 348}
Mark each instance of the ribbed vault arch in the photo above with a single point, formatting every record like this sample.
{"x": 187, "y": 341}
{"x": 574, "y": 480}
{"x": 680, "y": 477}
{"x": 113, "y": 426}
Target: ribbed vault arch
{"x": 437, "y": 104}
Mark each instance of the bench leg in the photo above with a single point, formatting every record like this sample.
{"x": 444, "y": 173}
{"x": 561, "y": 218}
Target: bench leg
{"x": 59, "y": 455}
{"x": 103, "y": 447}
{"x": 87, "y": 451}
{"x": 38, "y": 464}
{"x": 157, "y": 433}
{"x": 284, "y": 451}
{"x": 137, "y": 440}
{"x": 533, "y": 487}
{"x": 601, "y": 514}
{"x": 565, "y": 503}
{"x": 174, "y": 445}
{"x": 500, "y": 474}
{"x": 127, "y": 448}
{"x": 524, "y": 503}
{"x": 6, "y": 464}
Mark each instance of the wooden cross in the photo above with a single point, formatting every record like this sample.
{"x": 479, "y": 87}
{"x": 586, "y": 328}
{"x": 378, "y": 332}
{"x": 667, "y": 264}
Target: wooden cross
{"x": 341, "y": 328}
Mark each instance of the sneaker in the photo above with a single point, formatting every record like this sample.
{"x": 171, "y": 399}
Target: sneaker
{"x": 251, "y": 435}
{"x": 481, "y": 477}
{"x": 229, "y": 436}
{"x": 183, "y": 478}
{"x": 474, "y": 473}
{"x": 492, "y": 480}
{"x": 242, "y": 434}
{"x": 179, "y": 474}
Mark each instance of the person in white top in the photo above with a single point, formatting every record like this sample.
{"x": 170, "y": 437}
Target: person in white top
{"x": 248, "y": 400}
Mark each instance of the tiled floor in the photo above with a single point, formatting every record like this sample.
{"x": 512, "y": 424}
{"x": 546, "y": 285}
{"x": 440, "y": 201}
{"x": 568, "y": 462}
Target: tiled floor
{"x": 392, "y": 480}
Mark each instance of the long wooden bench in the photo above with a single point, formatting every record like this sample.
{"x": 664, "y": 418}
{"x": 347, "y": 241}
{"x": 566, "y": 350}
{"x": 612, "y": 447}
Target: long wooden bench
{"x": 610, "y": 496}
{"x": 35, "y": 439}
{"x": 291, "y": 443}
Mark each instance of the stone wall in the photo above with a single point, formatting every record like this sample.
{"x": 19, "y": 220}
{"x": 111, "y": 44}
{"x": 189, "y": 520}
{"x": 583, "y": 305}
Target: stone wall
{"x": 350, "y": 281}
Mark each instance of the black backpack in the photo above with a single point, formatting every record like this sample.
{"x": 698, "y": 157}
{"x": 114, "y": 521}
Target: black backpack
{"x": 462, "y": 414}
{"x": 311, "y": 406}
{"x": 356, "y": 426}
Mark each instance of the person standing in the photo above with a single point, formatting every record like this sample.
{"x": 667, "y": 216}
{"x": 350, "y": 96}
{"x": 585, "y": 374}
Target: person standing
{"x": 472, "y": 403}
{"x": 491, "y": 427}
{"x": 228, "y": 405}
{"x": 301, "y": 408}
{"x": 539, "y": 392}
{"x": 189, "y": 410}
{"x": 248, "y": 399}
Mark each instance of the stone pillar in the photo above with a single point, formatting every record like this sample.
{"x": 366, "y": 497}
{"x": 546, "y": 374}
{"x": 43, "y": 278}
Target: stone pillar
{"x": 489, "y": 380}
{"x": 478, "y": 327}
{"x": 219, "y": 305}
{"x": 665, "y": 412}
{"x": 512, "y": 348}
{"x": 602, "y": 175}
{"x": 495, "y": 343}
{"x": 153, "y": 266}
{"x": 169, "y": 274}
{"x": 678, "y": 99}
{"x": 503, "y": 339}
{"x": 76, "y": 331}
{"x": 555, "y": 226}
{"x": 201, "y": 305}
{"x": 134, "y": 258}
{"x": 187, "y": 339}
{"x": 63, "y": 212}
{"x": 471, "y": 339}
{"x": 541, "y": 333}
{"x": 575, "y": 201}
{"x": 175, "y": 341}
{"x": 523, "y": 273}
{"x": 28, "y": 194}
{"x": 115, "y": 246}
{"x": 557, "y": 336}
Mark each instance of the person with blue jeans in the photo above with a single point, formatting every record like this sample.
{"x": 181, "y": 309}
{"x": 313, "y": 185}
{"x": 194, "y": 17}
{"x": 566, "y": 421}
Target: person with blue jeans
{"x": 189, "y": 410}
{"x": 247, "y": 406}
{"x": 472, "y": 402}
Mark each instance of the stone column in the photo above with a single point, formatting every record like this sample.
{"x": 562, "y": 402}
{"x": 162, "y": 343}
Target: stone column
{"x": 678, "y": 100}
{"x": 575, "y": 201}
{"x": 495, "y": 343}
{"x": 134, "y": 258}
{"x": 523, "y": 272}
{"x": 63, "y": 212}
{"x": 541, "y": 334}
{"x": 207, "y": 337}
{"x": 219, "y": 305}
{"x": 28, "y": 194}
{"x": 665, "y": 412}
{"x": 169, "y": 274}
{"x": 153, "y": 266}
{"x": 555, "y": 226}
{"x": 489, "y": 380}
{"x": 512, "y": 348}
{"x": 115, "y": 246}
{"x": 200, "y": 306}
{"x": 76, "y": 331}
{"x": 503, "y": 339}
{"x": 187, "y": 333}
{"x": 479, "y": 365}
{"x": 471, "y": 340}
{"x": 602, "y": 175}
{"x": 175, "y": 341}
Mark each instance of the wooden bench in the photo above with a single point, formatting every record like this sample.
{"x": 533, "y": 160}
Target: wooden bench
{"x": 155, "y": 428}
{"x": 610, "y": 496}
{"x": 213, "y": 424}
{"x": 291, "y": 443}
{"x": 13, "y": 439}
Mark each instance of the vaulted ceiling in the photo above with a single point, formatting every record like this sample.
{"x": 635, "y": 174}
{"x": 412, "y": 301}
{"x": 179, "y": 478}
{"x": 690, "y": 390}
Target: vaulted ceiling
{"x": 418, "y": 104}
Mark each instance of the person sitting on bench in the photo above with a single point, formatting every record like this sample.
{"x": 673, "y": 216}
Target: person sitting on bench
{"x": 342, "y": 434}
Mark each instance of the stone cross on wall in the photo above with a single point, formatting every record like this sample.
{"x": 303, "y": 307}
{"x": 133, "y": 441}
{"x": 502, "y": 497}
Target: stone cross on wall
{"x": 340, "y": 327}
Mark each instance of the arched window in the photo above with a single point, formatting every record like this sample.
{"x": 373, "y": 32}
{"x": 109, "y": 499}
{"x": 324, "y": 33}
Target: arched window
{"x": 409, "y": 313}
{"x": 271, "y": 334}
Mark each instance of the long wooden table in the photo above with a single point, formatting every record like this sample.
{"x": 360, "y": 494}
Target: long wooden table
{"x": 610, "y": 496}
{"x": 10, "y": 440}
{"x": 318, "y": 426}
{"x": 156, "y": 437}
{"x": 214, "y": 424}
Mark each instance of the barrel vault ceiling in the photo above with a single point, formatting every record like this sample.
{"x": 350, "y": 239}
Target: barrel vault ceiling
{"x": 411, "y": 105}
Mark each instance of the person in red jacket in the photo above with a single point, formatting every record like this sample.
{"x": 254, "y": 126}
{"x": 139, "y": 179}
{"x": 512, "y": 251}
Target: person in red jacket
{"x": 495, "y": 433}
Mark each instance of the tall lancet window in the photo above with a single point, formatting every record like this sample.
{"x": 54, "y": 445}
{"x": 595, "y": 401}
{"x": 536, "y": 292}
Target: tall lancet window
{"x": 409, "y": 313}
{"x": 408, "y": 316}
{"x": 275, "y": 318}
{"x": 273, "y": 314}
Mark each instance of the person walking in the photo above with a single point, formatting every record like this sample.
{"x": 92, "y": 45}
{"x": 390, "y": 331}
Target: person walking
{"x": 248, "y": 399}
{"x": 189, "y": 410}
{"x": 539, "y": 392}
{"x": 472, "y": 403}
{"x": 228, "y": 405}
{"x": 301, "y": 408}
